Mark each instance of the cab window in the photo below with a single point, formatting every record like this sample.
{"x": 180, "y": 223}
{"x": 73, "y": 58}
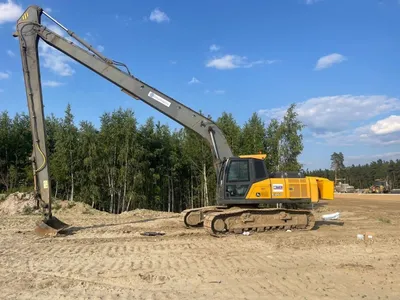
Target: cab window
{"x": 238, "y": 171}
{"x": 260, "y": 169}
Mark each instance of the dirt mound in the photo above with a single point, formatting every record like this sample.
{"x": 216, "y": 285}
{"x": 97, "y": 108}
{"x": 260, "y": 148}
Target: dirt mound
{"x": 18, "y": 203}
{"x": 72, "y": 207}
{"x": 146, "y": 213}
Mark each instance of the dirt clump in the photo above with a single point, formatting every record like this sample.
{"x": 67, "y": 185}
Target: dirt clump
{"x": 18, "y": 203}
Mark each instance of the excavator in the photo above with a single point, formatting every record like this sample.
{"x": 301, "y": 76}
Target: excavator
{"x": 248, "y": 197}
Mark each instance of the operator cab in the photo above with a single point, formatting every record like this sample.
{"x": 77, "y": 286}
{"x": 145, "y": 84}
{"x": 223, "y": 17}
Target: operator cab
{"x": 237, "y": 174}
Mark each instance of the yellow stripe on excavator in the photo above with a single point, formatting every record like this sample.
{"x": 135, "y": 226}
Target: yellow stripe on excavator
{"x": 25, "y": 16}
{"x": 256, "y": 156}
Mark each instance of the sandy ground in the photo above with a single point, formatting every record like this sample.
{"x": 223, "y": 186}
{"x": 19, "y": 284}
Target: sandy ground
{"x": 105, "y": 257}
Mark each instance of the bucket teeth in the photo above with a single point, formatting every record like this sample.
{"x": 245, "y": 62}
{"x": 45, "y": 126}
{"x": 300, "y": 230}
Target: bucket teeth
{"x": 50, "y": 227}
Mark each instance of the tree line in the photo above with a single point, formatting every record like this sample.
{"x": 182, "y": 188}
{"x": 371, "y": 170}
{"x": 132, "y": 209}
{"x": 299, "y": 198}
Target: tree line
{"x": 123, "y": 165}
{"x": 361, "y": 176}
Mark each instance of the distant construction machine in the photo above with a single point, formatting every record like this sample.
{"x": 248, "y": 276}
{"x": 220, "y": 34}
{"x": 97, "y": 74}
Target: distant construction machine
{"x": 380, "y": 186}
{"x": 243, "y": 182}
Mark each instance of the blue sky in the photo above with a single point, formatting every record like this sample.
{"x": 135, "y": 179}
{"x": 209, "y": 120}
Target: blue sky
{"x": 335, "y": 58}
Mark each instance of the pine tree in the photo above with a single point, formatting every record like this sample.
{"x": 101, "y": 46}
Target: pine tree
{"x": 65, "y": 157}
{"x": 231, "y": 130}
{"x": 337, "y": 163}
{"x": 254, "y": 136}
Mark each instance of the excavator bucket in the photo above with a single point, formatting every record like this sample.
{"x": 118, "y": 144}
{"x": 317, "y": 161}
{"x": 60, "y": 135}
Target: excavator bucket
{"x": 50, "y": 226}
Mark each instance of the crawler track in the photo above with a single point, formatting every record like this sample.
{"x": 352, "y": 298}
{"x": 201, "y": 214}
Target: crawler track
{"x": 194, "y": 217}
{"x": 239, "y": 220}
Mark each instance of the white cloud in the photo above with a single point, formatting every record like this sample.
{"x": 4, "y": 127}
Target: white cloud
{"x": 51, "y": 83}
{"x": 10, "y": 53}
{"x": 4, "y": 75}
{"x": 48, "y": 10}
{"x": 363, "y": 134}
{"x": 362, "y": 159}
{"x": 383, "y": 132}
{"x": 337, "y": 113}
{"x": 214, "y": 47}
{"x": 9, "y": 11}
{"x": 53, "y": 59}
{"x": 158, "y": 16}
{"x": 219, "y": 92}
{"x": 173, "y": 62}
{"x": 91, "y": 39}
{"x": 229, "y": 61}
{"x": 329, "y": 60}
{"x": 194, "y": 80}
{"x": 309, "y": 2}
{"x": 388, "y": 125}
{"x": 56, "y": 29}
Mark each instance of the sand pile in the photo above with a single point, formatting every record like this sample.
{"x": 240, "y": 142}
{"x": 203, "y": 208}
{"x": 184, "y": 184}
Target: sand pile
{"x": 18, "y": 203}
{"x": 146, "y": 213}
{"x": 72, "y": 207}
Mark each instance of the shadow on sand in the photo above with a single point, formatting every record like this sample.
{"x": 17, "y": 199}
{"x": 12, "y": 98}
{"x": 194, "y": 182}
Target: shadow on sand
{"x": 319, "y": 224}
{"x": 73, "y": 229}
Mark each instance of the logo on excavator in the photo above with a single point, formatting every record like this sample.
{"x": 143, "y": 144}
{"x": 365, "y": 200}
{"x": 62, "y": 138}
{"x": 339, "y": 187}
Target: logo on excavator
{"x": 277, "y": 187}
{"x": 159, "y": 99}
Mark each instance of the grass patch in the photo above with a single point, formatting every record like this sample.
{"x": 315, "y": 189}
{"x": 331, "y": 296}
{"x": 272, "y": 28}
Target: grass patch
{"x": 20, "y": 189}
{"x": 385, "y": 220}
{"x": 71, "y": 204}
{"x": 87, "y": 211}
{"x": 27, "y": 210}
{"x": 56, "y": 205}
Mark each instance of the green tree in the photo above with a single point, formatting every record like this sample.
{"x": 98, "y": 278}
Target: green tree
{"x": 88, "y": 173}
{"x": 337, "y": 163}
{"x": 231, "y": 130}
{"x": 254, "y": 135}
{"x": 5, "y": 149}
{"x": 65, "y": 157}
{"x": 272, "y": 142}
{"x": 291, "y": 140}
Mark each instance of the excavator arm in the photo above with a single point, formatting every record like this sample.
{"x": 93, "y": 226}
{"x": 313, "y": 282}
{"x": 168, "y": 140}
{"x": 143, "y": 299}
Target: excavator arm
{"x": 29, "y": 30}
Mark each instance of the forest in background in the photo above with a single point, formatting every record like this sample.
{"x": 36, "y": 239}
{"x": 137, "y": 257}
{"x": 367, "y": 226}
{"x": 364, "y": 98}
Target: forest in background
{"x": 123, "y": 165}
{"x": 361, "y": 176}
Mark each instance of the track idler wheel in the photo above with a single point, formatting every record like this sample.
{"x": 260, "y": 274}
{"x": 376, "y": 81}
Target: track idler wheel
{"x": 194, "y": 217}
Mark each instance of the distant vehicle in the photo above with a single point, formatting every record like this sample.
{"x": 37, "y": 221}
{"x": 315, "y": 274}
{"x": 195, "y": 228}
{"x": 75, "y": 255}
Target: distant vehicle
{"x": 380, "y": 186}
{"x": 344, "y": 188}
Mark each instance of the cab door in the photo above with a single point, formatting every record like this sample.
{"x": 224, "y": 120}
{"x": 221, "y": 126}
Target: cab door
{"x": 237, "y": 179}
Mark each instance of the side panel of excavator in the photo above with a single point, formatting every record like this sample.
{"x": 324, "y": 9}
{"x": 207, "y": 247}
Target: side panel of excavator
{"x": 308, "y": 188}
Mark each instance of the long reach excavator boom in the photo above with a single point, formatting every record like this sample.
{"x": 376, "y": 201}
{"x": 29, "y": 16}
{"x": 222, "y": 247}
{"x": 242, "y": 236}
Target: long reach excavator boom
{"x": 30, "y": 29}
{"x": 243, "y": 182}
